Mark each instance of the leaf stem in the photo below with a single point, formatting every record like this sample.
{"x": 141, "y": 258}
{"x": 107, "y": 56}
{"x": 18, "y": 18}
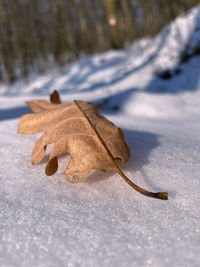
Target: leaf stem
{"x": 160, "y": 195}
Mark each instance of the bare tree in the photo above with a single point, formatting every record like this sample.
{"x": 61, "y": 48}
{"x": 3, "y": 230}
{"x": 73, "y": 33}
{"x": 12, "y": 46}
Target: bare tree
{"x": 33, "y": 30}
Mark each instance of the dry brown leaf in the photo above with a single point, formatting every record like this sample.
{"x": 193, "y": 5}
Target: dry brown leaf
{"x": 78, "y": 129}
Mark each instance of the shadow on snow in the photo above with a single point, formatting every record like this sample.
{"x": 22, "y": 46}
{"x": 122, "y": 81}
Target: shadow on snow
{"x": 13, "y": 113}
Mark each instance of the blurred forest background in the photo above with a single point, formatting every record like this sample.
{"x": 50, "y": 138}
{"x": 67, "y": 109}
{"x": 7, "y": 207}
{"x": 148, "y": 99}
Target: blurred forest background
{"x": 37, "y": 34}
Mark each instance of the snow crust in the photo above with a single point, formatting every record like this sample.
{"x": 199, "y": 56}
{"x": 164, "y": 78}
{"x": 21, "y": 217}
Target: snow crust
{"x": 46, "y": 221}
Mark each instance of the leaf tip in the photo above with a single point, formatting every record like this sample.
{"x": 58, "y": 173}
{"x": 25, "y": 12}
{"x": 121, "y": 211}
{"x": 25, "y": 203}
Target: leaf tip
{"x": 55, "y": 97}
{"x": 51, "y": 167}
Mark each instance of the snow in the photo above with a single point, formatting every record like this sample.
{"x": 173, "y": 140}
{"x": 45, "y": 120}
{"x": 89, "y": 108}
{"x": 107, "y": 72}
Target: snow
{"x": 46, "y": 221}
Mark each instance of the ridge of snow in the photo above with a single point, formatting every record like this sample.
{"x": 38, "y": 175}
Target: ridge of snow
{"x": 118, "y": 70}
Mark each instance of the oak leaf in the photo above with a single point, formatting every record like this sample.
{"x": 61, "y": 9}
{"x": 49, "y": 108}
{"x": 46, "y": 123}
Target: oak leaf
{"x": 78, "y": 129}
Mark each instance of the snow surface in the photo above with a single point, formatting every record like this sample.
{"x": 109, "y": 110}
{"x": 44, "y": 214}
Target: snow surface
{"x": 46, "y": 221}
